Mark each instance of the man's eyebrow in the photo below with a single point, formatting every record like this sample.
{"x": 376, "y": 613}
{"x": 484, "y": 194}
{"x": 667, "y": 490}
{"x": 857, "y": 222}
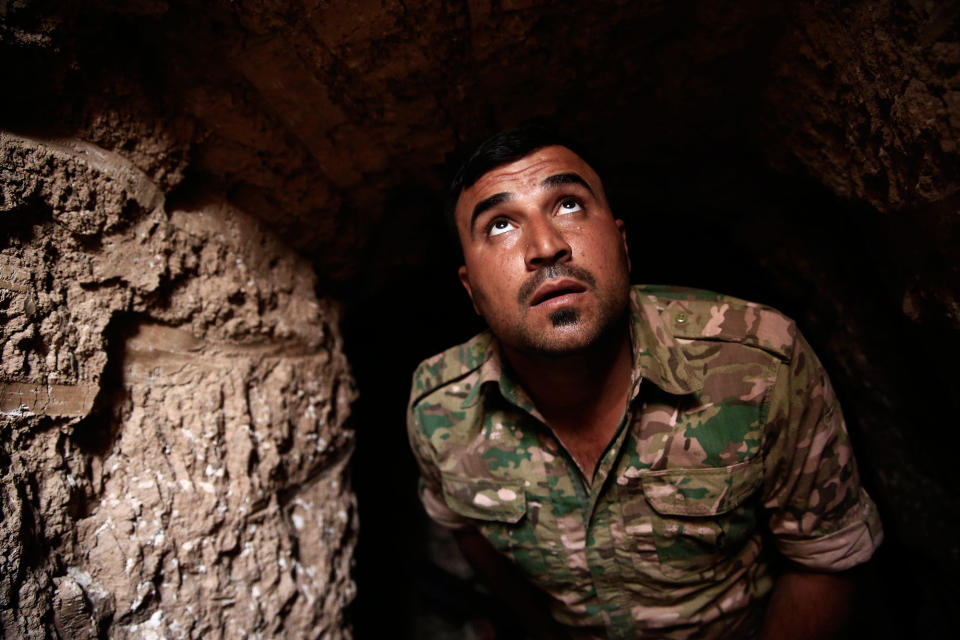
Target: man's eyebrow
{"x": 561, "y": 179}
{"x": 489, "y": 203}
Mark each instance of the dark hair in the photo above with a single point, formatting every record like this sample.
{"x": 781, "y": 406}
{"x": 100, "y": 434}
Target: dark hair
{"x": 497, "y": 150}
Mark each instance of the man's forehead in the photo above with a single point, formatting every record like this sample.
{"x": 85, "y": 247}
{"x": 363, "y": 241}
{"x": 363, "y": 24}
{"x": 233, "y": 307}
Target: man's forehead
{"x": 528, "y": 172}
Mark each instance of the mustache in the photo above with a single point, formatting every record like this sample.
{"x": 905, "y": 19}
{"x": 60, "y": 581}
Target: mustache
{"x": 559, "y": 270}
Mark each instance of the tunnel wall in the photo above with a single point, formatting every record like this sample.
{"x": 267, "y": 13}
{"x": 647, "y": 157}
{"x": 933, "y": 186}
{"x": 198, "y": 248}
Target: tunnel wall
{"x": 173, "y": 400}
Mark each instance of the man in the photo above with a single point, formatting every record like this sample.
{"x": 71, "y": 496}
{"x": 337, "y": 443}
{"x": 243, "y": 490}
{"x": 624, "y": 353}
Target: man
{"x": 653, "y": 462}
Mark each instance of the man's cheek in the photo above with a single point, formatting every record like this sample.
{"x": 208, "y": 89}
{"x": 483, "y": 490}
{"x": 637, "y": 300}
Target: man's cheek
{"x": 480, "y": 301}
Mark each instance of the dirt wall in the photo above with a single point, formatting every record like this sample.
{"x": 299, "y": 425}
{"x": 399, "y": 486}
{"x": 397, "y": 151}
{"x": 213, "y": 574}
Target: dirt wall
{"x": 173, "y": 398}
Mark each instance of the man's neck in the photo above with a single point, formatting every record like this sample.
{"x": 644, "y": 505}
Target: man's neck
{"x": 579, "y": 387}
{"x": 583, "y": 396}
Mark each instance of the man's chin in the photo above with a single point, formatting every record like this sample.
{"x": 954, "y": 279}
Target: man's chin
{"x": 563, "y": 339}
{"x": 564, "y": 317}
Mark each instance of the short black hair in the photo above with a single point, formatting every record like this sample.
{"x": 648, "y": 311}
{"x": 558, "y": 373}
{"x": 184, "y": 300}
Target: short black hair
{"x": 499, "y": 149}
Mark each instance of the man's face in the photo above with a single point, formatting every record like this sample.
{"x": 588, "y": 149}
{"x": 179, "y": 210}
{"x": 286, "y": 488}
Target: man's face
{"x": 545, "y": 262}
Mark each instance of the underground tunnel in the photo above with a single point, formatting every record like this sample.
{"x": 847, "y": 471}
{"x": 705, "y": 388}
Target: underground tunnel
{"x": 222, "y": 258}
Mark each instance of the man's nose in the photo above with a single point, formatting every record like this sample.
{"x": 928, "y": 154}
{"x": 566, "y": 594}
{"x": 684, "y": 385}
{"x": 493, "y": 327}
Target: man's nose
{"x": 545, "y": 244}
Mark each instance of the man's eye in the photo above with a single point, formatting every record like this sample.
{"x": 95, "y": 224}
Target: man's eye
{"x": 570, "y": 206}
{"x": 500, "y": 225}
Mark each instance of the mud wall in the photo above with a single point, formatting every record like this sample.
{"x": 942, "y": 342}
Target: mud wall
{"x": 173, "y": 398}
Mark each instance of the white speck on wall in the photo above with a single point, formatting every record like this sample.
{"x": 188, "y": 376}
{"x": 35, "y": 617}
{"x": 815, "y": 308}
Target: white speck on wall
{"x": 103, "y": 527}
{"x": 143, "y": 590}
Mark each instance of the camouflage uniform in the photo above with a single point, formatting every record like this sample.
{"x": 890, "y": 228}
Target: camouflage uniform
{"x": 732, "y": 441}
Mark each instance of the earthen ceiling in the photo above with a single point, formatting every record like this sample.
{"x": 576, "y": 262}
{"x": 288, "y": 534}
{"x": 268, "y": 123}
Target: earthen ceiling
{"x": 327, "y": 118}
{"x": 318, "y": 116}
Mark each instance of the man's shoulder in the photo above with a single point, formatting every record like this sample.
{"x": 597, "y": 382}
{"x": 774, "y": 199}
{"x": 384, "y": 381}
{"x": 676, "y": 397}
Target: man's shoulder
{"x": 455, "y": 365}
{"x": 699, "y": 314}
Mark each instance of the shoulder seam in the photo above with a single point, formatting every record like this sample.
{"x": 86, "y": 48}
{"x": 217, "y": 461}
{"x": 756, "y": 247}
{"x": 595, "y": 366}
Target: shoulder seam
{"x": 694, "y": 310}
{"x": 442, "y": 383}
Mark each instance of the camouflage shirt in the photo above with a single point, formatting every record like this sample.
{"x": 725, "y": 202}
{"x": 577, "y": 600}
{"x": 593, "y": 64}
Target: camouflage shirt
{"x": 732, "y": 443}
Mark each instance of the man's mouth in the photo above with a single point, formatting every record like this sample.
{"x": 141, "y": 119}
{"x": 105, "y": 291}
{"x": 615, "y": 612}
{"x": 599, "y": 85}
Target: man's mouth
{"x": 553, "y": 289}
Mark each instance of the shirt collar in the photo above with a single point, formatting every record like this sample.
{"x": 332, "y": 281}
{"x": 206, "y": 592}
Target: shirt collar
{"x": 492, "y": 371}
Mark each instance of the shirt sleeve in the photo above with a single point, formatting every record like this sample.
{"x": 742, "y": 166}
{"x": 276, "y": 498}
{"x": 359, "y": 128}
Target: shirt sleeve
{"x": 430, "y": 486}
{"x": 819, "y": 515}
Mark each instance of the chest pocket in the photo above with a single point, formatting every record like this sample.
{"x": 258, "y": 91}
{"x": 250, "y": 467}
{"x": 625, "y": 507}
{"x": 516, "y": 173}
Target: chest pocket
{"x": 498, "y": 509}
{"x": 514, "y": 524}
{"x": 696, "y": 517}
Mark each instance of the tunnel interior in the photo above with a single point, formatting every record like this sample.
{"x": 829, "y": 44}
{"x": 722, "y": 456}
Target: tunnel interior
{"x": 799, "y": 154}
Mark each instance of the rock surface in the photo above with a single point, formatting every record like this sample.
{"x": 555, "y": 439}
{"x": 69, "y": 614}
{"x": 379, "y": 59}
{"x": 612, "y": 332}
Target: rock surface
{"x": 173, "y": 401}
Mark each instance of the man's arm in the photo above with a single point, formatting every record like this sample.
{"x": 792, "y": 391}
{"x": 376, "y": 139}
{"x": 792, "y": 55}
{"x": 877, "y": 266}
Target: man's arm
{"x": 526, "y": 601}
{"x": 822, "y": 522}
{"x": 809, "y": 606}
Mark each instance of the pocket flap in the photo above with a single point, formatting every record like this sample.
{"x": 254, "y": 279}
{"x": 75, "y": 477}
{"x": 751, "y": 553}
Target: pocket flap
{"x": 702, "y": 492}
{"x": 485, "y": 499}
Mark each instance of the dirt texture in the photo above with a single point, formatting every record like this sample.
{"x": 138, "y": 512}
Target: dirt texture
{"x": 173, "y": 400}
{"x": 872, "y": 90}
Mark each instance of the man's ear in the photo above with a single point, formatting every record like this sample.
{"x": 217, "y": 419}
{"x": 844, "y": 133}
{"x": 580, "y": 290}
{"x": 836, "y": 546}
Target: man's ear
{"x": 623, "y": 237}
{"x": 465, "y": 281}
